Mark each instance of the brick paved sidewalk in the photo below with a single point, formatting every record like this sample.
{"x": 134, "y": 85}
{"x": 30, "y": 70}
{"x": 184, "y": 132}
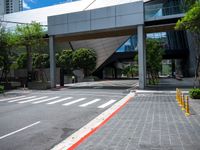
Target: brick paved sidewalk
{"x": 148, "y": 122}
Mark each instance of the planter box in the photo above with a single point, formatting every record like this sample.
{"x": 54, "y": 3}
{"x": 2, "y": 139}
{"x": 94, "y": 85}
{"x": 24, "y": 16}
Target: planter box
{"x": 37, "y": 85}
{"x": 7, "y": 86}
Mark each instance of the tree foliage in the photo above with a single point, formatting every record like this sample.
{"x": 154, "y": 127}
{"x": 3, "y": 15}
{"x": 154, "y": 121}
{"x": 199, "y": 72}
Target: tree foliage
{"x": 65, "y": 60}
{"x": 131, "y": 70}
{"x": 5, "y": 52}
{"x": 40, "y": 61}
{"x": 154, "y": 55}
{"x": 84, "y": 58}
{"x": 21, "y": 61}
{"x": 29, "y": 36}
{"x": 191, "y": 22}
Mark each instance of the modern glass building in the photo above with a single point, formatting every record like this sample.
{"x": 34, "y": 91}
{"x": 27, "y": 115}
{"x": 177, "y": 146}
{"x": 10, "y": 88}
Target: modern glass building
{"x": 114, "y": 26}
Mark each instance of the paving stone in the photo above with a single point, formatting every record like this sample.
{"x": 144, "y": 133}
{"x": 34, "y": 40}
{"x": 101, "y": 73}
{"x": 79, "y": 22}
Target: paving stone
{"x": 148, "y": 122}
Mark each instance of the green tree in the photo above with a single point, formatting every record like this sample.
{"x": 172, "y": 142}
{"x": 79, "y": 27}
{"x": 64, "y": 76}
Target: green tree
{"x": 84, "y": 58}
{"x": 40, "y": 61}
{"x": 29, "y": 35}
{"x": 131, "y": 70}
{"x": 21, "y": 61}
{"x": 191, "y": 22}
{"x": 65, "y": 60}
{"x": 6, "y": 44}
{"x": 154, "y": 59}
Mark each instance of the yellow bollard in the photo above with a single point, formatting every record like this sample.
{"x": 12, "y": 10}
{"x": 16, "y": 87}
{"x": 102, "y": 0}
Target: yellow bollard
{"x": 187, "y": 107}
{"x": 183, "y": 103}
{"x": 180, "y": 100}
{"x": 178, "y": 96}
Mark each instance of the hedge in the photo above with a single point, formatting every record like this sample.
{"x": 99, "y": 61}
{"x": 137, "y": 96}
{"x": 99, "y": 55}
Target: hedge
{"x": 195, "y": 93}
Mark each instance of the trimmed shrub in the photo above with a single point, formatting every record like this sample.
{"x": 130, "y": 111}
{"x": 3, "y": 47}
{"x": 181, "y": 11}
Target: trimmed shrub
{"x": 195, "y": 93}
{"x": 84, "y": 58}
{"x": 1, "y": 89}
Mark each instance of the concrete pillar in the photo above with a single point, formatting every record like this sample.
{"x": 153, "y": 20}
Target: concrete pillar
{"x": 52, "y": 61}
{"x": 141, "y": 57}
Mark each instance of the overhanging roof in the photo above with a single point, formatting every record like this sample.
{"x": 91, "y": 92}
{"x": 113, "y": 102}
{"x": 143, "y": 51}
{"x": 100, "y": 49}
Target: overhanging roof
{"x": 41, "y": 14}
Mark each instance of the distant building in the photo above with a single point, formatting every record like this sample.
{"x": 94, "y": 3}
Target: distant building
{"x": 10, "y": 6}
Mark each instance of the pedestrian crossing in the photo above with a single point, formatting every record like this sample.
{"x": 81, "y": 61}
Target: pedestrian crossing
{"x": 61, "y": 100}
{"x": 89, "y": 103}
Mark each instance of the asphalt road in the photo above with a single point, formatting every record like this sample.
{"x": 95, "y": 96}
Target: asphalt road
{"x": 38, "y": 120}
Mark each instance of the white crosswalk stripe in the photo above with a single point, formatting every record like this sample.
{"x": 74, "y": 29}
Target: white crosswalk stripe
{"x": 58, "y": 101}
{"x": 21, "y": 99}
{"x": 12, "y": 98}
{"x": 46, "y": 100}
{"x": 107, "y": 104}
{"x": 73, "y": 102}
{"x": 31, "y": 100}
{"x": 89, "y": 103}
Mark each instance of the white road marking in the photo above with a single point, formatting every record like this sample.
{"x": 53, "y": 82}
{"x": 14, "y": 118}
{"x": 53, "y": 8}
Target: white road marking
{"x": 73, "y": 102}
{"x": 89, "y": 103}
{"x": 45, "y": 100}
{"x": 61, "y": 100}
{"x": 7, "y": 99}
{"x": 2, "y": 137}
{"x": 106, "y": 104}
{"x": 31, "y": 100}
{"x": 21, "y": 99}
{"x": 89, "y": 128}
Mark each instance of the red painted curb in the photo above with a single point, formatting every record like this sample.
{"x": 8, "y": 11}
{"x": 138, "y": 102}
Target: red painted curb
{"x": 98, "y": 127}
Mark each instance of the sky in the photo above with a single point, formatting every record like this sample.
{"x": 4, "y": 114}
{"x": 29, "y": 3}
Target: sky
{"x": 32, "y": 4}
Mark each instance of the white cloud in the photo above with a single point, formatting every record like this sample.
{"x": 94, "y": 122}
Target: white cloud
{"x": 25, "y": 5}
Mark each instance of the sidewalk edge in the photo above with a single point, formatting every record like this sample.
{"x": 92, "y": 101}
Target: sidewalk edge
{"x": 79, "y": 136}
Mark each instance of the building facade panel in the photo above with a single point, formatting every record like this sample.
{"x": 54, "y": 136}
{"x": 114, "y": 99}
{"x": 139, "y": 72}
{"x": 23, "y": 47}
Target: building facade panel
{"x": 129, "y": 8}
{"x": 129, "y": 20}
{"x": 10, "y": 6}
{"x": 77, "y": 27}
{"x": 78, "y": 16}
{"x": 103, "y": 23}
{"x": 125, "y": 15}
{"x": 103, "y": 13}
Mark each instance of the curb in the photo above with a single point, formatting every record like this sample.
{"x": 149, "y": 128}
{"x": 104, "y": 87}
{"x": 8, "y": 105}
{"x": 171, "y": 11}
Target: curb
{"x": 155, "y": 92}
{"x": 79, "y": 136}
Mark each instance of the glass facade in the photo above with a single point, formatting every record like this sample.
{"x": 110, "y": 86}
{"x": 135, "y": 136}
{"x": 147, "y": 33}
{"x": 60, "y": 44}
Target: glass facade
{"x": 160, "y": 8}
{"x": 171, "y": 40}
{"x": 129, "y": 46}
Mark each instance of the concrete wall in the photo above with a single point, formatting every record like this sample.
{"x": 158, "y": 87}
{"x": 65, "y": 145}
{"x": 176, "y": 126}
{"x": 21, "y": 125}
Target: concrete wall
{"x": 22, "y": 73}
{"x": 113, "y": 17}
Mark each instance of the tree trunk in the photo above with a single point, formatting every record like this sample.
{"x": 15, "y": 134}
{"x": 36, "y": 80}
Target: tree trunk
{"x": 29, "y": 63}
{"x": 62, "y": 77}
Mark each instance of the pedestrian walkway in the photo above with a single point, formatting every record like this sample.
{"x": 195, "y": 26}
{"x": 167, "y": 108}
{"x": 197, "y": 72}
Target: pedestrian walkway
{"x": 107, "y": 84}
{"x": 59, "y": 100}
{"x": 148, "y": 122}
